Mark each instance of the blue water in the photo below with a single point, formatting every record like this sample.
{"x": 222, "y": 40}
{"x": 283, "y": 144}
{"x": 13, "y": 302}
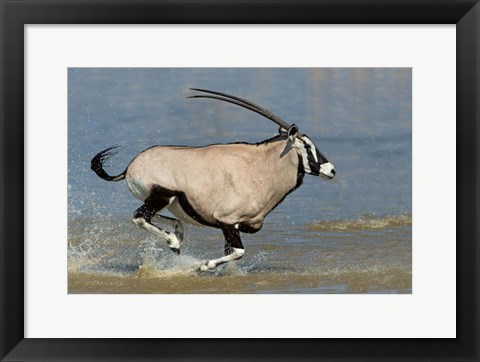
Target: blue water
{"x": 348, "y": 235}
{"x": 360, "y": 119}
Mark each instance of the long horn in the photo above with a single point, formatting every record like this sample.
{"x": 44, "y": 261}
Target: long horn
{"x": 242, "y": 103}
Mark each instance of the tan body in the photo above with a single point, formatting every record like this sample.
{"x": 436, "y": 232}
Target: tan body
{"x": 229, "y": 186}
{"x": 225, "y": 184}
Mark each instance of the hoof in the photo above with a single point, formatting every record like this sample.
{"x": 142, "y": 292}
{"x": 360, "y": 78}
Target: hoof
{"x": 209, "y": 265}
{"x": 175, "y": 250}
{"x": 173, "y": 243}
{"x": 203, "y": 268}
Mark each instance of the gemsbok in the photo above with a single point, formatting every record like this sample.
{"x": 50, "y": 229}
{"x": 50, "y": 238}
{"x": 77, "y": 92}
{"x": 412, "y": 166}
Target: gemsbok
{"x": 232, "y": 187}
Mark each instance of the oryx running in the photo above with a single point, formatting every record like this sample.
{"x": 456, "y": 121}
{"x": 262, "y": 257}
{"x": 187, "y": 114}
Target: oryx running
{"x": 232, "y": 187}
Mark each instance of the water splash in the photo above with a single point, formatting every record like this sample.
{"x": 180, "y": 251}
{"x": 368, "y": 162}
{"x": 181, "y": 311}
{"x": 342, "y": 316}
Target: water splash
{"x": 158, "y": 262}
{"x": 109, "y": 255}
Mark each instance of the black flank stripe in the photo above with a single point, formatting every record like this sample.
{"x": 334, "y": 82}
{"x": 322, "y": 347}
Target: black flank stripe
{"x": 160, "y": 196}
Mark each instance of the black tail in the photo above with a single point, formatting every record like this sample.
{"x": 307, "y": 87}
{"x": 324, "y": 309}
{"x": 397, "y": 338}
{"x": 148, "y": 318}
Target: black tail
{"x": 99, "y": 160}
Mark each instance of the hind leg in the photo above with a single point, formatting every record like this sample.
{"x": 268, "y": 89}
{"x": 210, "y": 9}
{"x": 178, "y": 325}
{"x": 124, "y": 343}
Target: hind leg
{"x": 143, "y": 216}
{"x": 234, "y": 249}
{"x": 176, "y": 224}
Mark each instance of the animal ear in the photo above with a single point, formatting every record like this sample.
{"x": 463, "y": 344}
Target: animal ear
{"x": 281, "y": 130}
{"x": 292, "y": 132}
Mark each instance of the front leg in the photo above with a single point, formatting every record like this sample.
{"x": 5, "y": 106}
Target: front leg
{"x": 234, "y": 249}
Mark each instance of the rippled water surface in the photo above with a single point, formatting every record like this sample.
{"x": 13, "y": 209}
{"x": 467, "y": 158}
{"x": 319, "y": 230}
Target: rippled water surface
{"x": 349, "y": 235}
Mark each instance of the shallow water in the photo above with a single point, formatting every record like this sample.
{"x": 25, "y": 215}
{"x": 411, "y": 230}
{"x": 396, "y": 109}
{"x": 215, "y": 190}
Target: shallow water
{"x": 110, "y": 255}
{"x": 349, "y": 235}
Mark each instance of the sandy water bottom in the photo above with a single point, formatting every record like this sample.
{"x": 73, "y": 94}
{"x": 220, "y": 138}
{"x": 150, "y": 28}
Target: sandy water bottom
{"x": 147, "y": 282}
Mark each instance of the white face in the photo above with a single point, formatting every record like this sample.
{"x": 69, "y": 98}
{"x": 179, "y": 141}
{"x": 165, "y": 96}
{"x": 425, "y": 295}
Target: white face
{"x": 314, "y": 162}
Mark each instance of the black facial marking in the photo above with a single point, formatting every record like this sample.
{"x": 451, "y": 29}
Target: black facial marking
{"x": 312, "y": 163}
{"x": 321, "y": 158}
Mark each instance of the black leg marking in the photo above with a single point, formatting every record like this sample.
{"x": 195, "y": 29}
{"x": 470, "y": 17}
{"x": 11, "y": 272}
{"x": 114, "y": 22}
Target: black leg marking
{"x": 146, "y": 211}
{"x": 153, "y": 204}
{"x": 232, "y": 238}
{"x": 143, "y": 216}
{"x": 176, "y": 223}
{"x": 228, "y": 249}
{"x": 233, "y": 249}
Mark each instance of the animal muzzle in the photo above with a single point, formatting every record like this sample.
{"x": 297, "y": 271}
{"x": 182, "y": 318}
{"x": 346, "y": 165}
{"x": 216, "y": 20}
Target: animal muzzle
{"x": 327, "y": 170}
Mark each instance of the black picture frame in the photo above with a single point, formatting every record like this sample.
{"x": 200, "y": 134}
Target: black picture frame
{"x": 16, "y": 14}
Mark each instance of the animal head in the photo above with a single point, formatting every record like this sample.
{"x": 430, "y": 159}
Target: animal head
{"x": 314, "y": 162}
